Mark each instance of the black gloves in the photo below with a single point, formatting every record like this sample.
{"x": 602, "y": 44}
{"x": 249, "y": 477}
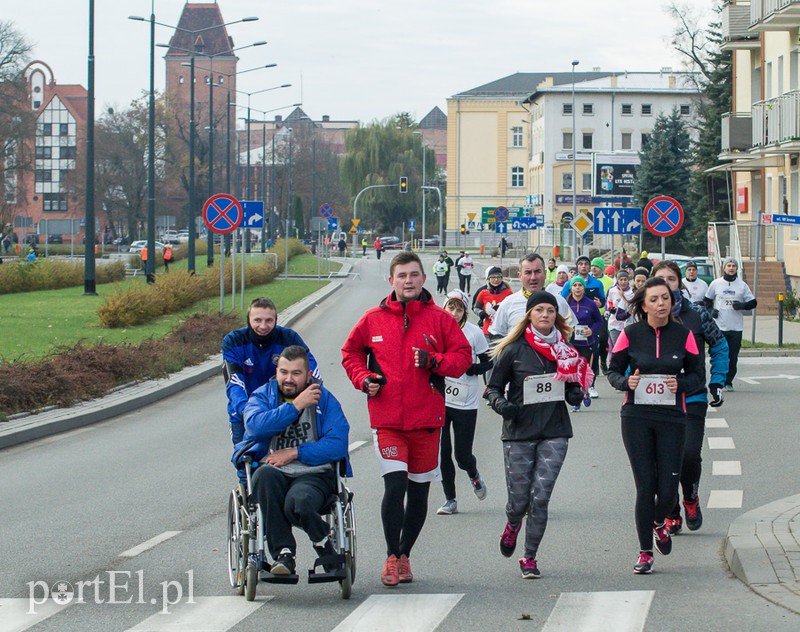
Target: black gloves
{"x": 373, "y": 378}
{"x": 714, "y": 313}
{"x": 737, "y": 305}
{"x": 622, "y": 314}
{"x": 505, "y": 408}
{"x": 426, "y": 360}
{"x": 716, "y": 395}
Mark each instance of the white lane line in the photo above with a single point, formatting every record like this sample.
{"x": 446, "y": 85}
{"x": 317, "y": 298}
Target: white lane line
{"x": 355, "y": 446}
{"x": 209, "y": 614}
{"x": 399, "y": 613}
{"x": 621, "y": 611}
{"x": 717, "y": 422}
{"x": 721, "y": 443}
{"x": 725, "y": 499}
{"x": 15, "y": 614}
{"x": 149, "y": 544}
{"x": 726, "y": 468}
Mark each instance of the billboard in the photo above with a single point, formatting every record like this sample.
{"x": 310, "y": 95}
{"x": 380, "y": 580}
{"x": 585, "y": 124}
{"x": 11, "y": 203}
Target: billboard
{"x": 614, "y": 174}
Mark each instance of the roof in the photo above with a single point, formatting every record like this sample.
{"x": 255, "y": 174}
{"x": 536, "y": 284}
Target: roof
{"x": 435, "y": 119}
{"x": 298, "y": 117}
{"x": 195, "y": 17}
{"x": 523, "y": 84}
{"x": 74, "y": 97}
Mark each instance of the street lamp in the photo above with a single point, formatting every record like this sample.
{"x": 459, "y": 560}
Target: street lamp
{"x": 89, "y": 279}
{"x": 422, "y": 142}
{"x": 574, "y": 145}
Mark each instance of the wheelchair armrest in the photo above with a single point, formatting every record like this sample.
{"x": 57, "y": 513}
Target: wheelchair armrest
{"x": 341, "y": 467}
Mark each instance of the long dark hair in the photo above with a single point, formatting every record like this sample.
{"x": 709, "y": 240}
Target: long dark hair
{"x": 672, "y": 267}
{"x": 637, "y": 302}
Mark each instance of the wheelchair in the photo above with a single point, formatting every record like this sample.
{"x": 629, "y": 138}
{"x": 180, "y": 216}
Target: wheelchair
{"x": 247, "y": 555}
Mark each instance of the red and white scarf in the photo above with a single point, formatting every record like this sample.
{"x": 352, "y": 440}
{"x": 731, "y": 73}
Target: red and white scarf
{"x": 570, "y": 366}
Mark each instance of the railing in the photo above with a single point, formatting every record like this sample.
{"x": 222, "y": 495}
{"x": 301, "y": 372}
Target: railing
{"x": 735, "y": 21}
{"x": 760, "y": 9}
{"x": 737, "y": 131}
{"x": 776, "y": 120}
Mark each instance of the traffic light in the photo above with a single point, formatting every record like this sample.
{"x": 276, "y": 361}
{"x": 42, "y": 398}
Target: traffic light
{"x": 403, "y": 184}
{"x": 463, "y": 229}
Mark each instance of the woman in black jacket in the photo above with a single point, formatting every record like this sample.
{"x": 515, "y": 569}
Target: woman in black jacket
{"x": 541, "y": 371}
{"x": 656, "y": 362}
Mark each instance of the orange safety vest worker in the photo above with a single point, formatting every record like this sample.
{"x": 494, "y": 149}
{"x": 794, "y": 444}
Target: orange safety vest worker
{"x": 168, "y": 253}
{"x": 144, "y": 254}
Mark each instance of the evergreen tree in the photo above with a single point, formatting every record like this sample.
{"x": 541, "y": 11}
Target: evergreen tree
{"x": 298, "y": 215}
{"x": 665, "y": 168}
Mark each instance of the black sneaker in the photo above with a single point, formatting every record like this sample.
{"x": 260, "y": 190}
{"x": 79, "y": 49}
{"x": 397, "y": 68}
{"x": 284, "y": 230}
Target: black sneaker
{"x": 324, "y": 550}
{"x": 284, "y": 563}
{"x": 694, "y": 517}
{"x": 645, "y": 564}
{"x": 508, "y": 541}
{"x": 663, "y": 538}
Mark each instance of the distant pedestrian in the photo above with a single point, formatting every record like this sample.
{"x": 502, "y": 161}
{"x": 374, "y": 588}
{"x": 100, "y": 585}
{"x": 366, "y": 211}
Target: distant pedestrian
{"x": 378, "y": 245}
{"x": 551, "y": 272}
{"x": 363, "y": 246}
{"x": 465, "y": 278}
{"x": 167, "y": 257}
{"x": 342, "y": 247}
{"x": 503, "y": 246}
{"x": 7, "y": 243}
{"x": 696, "y": 287}
{"x": 644, "y": 262}
{"x": 450, "y": 266}
{"x": 440, "y": 272}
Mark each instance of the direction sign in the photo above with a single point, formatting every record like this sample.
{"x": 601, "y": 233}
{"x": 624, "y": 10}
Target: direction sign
{"x": 780, "y": 219}
{"x": 412, "y": 225}
{"x": 663, "y": 216}
{"x": 333, "y": 223}
{"x": 222, "y": 213}
{"x": 539, "y": 219}
{"x": 253, "y": 214}
{"x": 581, "y": 224}
{"x": 326, "y": 210}
{"x": 523, "y": 223}
{"x": 617, "y": 221}
{"x": 501, "y": 227}
{"x": 501, "y": 214}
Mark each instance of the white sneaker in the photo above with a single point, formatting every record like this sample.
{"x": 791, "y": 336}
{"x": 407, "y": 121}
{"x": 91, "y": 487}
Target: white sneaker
{"x": 593, "y": 392}
{"x": 450, "y": 507}
{"x": 479, "y": 487}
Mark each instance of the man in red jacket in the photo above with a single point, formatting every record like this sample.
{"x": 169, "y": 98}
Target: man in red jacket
{"x": 399, "y": 354}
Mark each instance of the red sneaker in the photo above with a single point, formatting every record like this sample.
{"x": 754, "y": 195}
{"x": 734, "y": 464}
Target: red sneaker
{"x": 389, "y": 575}
{"x": 404, "y": 570}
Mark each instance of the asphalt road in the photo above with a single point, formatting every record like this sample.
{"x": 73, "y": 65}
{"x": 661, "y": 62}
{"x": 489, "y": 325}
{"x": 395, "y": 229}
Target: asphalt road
{"x": 73, "y": 503}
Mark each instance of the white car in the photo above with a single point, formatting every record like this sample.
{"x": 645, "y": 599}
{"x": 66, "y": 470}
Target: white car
{"x": 183, "y": 237}
{"x": 170, "y": 237}
{"x": 136, "y": 246}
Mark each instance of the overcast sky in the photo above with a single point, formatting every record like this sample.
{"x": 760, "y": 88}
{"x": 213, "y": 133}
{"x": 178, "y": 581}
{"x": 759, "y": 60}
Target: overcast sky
{"x": 359, "y": 59}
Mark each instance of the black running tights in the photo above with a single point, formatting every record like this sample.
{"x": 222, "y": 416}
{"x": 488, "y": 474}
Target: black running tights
{"x": 403, "y": 512}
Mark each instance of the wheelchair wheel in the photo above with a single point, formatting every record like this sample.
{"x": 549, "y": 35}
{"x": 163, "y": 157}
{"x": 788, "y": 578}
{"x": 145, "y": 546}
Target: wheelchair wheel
{"x": 235, "y": 552}
{"x": 251, "y": 582}
{"x": 346, "y": 584}
{"x": 350, "y": 534}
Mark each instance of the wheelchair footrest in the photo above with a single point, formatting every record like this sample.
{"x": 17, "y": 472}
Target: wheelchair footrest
{"x": 335, "y": 575}
{"x": 269, "y": 578}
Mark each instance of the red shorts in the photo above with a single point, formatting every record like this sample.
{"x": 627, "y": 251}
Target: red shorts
{"x": 412, "y": 451}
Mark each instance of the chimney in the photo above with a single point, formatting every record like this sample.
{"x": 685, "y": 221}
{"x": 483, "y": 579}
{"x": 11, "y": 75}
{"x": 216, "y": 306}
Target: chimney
{"x": 326, "y": 118}
{"x": 278, "y": 118}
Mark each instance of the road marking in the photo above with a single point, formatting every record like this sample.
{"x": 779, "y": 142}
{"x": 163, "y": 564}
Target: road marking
{"x": 721, "y": 443}
{"x": 149, "y": 544}
{"x": 396, "y": 613}
{"x": 718, "y": 422}
{"x": 210, "y": 614}
{"x": 14, "y": 613}
{"x": 355, "y": 446}
{"x": 758, "y": 378}
{"x": 726, "y": 468}
{"x": 725, "y": 499}
{"x": 621, "y": 611}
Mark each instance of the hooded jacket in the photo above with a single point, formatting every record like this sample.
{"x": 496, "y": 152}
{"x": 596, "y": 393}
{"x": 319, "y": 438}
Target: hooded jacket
{"x": 383, "y": 342}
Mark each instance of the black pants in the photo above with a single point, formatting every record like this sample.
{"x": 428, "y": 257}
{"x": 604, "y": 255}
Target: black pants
{"x": 464, "y": 282}
{"x": 655, "y": 451}
{"x": 589, "y": 355}
{"x": 463, "y": 425}
{"x": 403, "y": 512}
{"x": 692, "y": 466}
{"x": 378, "y": 254}
{"x": 603, "y": 344}
{"x": 734, "y": 339}
{"x": 287, "y": 502}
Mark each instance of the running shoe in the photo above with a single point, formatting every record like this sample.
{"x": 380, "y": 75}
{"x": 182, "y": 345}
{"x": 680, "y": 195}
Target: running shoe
{"x": 508, "y": 541}
{"x": 529, "y": 568}
{"x": 576, "y": 409}
{"x": 645, "y": 564}
{"x": 479, "y": 487}
{"x": 450, "y": 507}
{"x": 389, "y": 576}
{"x": 284, "y": 563}
{"x": 663, "y": 538}
{"x": 587, "y": 399}
{"x": 694, "y": 517}
{"x": 404, "y": 573}
{"x": 729, "y": 387}
{"x": 675, "y": 525}
{"x": 593, "y": 392}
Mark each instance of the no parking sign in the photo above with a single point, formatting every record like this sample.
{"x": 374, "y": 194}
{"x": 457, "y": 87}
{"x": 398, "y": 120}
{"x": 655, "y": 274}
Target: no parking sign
{"x": 663, "y": 216}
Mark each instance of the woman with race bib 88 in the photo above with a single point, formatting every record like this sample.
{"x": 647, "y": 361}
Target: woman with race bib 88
{"x": 656, "y": 362}
{"x": 462, "y": 397}
{"x": 541, "y": 371}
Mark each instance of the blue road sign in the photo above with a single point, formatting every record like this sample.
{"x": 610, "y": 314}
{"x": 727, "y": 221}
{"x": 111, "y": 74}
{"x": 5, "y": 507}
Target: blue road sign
{"x": 539, "y": 219}
{"x": 333, "y": 223}
{"x": 253, "y": 214}
{"x": 501, "y": 227}
{"x": 412, "y": 225}
{"x": 523, "y": 223}
{"x": 617, "y": 221}
{"x": 780, "y": 219}
{"x": 663, "y": 216}
{"x": 326, "y": 210}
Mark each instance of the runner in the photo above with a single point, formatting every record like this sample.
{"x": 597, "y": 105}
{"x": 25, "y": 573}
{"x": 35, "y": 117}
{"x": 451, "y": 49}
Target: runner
{"x": 617, "y": 308}
{"x": 541, "y": 371}
{"x": 489, "y": 298}
{"x": 655, "y": 362}
{"x": 696, "y": 287}
{"x": 586, "y": 331}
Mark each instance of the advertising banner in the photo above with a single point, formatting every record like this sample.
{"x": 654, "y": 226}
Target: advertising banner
{"x": 614, "y": 174}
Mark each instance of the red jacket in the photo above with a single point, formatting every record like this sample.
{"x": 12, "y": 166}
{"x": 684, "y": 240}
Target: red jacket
{"x": 383, "y": 342}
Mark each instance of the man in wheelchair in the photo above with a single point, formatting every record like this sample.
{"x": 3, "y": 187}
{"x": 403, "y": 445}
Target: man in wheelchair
{"x": 297, "y": 431}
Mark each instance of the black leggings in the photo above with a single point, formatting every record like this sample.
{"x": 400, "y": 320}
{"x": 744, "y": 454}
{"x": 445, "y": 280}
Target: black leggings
{"x": 441, "y": 284}
{"x": 734, "y": 340}
{"x": 692, "y": 466}
{"x": 655, "y": 450}
{"x": 403, "y": 512}
{"x": 463, "y": 424}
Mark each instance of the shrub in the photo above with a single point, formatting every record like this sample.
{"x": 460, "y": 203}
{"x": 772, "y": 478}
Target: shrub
{"x": 48, "y": 274}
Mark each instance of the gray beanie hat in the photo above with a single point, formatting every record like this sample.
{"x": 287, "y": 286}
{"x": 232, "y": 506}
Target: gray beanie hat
{"x": 730, "y": 260}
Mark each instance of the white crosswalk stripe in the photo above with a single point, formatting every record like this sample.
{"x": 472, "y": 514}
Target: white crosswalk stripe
{"x": 726, "y": 468}
{"x": 399, "y": 613}
{"x": 716, "y": 422}
{"x": 721, "y": 443}
{"x": 209, "y": 614}
{"x": 725, "y": 499}
{"x": 621, "y": 611}
{"x": 16, "y": 615}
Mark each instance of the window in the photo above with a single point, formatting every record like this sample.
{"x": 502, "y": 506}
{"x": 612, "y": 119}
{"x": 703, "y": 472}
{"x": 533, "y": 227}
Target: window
{"x": 566, "y": 108}
{"x": 47, "y": 129}
{"x": 587, "y": 140}
{"x": 645, "y": 139}
{"x": 63, "y": 129}
{"x": 44, "y": 175}
{"x": 516, "y": 137}
{"x": 566, "y": 140}
{"x": 586, "y": 182}
{"x": 566, "y": 182}
{"x": 69, "y": 153}
{"x": 37, "y": 105}
{"x": 627, "y": 139}
{"x": 647, "y": 109}
{"x": 685, "y": 109}
{"x": 54, "y": 202}
{"x": 44, "y": 152}
{"x": 517, "y": 177}
{"x": 221, "y": 79}
{"x": 627, "y": 109}
{"x": 588, "y": 108}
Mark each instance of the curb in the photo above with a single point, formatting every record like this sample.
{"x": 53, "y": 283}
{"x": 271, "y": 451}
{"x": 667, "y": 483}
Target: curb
{"x": 28, "y": 427}
{"x": 763, "y": 551}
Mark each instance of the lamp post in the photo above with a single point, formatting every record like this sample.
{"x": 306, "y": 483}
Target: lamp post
{"x": 89, "y": 280}
{"x": 422, "y": 142}
{"x": 574, "y": 145}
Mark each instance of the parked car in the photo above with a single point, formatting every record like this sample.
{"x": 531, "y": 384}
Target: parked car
{"x": 390, "y": 242}
{"x": 705, "y": 270}
{"x": 55, "y": 239}
{"x": 183, "y": 237}
{"x": 170, "y": 237}
{"x": 121, "y": 241}
{"x": 32, "y": 239}
{"x": 430, "y": 241}
{"x": 136, "y": 246}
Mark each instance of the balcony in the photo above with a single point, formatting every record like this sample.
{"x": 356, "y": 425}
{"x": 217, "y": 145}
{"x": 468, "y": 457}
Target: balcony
{"x": 774, "y": 15}
{"x": 736, "y": 33}
{"x": 777, "y": 121}
{"x": 737, "y": 132}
